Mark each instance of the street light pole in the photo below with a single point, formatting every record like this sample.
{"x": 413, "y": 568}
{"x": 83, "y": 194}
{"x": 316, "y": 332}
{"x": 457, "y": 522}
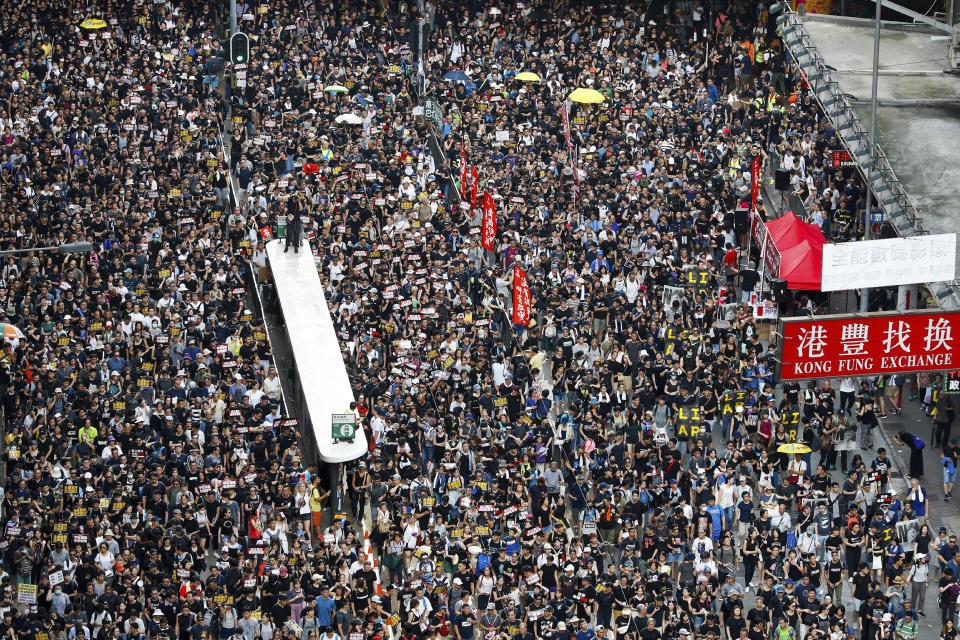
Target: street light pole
{"x": 67, "y": 247}
{"x": 865, "y": 292}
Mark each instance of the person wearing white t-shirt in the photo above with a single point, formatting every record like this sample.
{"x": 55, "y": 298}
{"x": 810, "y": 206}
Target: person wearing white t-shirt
{"x": 335, "y": 269}
{"x": 271, "y": 385}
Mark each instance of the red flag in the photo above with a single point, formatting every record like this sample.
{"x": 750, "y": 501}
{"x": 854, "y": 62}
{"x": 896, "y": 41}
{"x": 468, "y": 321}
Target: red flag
{"x": 754, "y": 181}
{"x": 311, "y": 168}
{"x": 489, "y": 226}
{"x": 521, "y": 297}
{"x": 473, "y": 188}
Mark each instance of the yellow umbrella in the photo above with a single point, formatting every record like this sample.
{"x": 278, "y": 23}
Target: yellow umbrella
{"x": 590, "y": 96}
{"x": 793, "y": 447}
{"x": 527, "y": 76}
{"x": 93, "y": 23}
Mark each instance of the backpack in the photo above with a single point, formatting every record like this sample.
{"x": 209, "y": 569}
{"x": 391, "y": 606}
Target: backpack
{"x": 918, "y": 443}
{"x": 791, "y": 541}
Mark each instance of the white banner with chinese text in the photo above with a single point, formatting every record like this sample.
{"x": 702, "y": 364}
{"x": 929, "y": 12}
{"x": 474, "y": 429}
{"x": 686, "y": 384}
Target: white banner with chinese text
{"x": 890, "y": 262}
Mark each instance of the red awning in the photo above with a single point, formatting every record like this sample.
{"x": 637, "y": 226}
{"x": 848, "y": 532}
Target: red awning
{"x": 801, "y": 251}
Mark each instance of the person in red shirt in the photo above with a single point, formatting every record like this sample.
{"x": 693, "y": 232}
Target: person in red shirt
{"x": 730, "y": 262}
{"x": 255, "y": 530}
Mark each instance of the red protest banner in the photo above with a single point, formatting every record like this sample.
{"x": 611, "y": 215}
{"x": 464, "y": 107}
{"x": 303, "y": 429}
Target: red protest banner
{"x": 754, "y": 181}
{"x": 874, "y": 344}
{"x": 489, "y": 225}
{"x": 521, "y": 297}
{"x": 311, "y": 168}
{"x": 473, "y": 188}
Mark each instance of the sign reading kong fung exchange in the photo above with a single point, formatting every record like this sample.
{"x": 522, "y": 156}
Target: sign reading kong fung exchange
{"x": 869, "y": 344}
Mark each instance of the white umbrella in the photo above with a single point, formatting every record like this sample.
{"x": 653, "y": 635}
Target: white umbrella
{"x": 349, "y": 118}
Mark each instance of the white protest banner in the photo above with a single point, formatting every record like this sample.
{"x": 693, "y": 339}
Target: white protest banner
{"x": 889, "y": 262}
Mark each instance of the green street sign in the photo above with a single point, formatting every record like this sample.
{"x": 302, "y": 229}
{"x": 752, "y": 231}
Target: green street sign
{"x": 433, "y": 112}
{"x": 344, "y": 426}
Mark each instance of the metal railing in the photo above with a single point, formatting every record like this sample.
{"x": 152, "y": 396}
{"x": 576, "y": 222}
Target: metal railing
{"x": 252, "y": 276}
{"x": 889, "y": 192}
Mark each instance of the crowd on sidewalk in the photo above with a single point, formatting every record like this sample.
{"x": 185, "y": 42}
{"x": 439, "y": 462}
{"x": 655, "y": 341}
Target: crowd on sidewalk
{"x": 611, "y": 469}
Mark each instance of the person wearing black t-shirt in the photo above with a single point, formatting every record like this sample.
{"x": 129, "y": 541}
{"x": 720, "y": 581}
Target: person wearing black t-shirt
{"x": 650, "y": 632}
{"x": 835, "y": 574}
{"x": 464, "y": 623}
{"x": 281, "y": 611}
{"x": 870, "y": 615}
{"x": 549, "y": 573}
{"x": 861, "y": 585}
{"x": 852, "y": 541}
{"x": 735, "y": 622}
{"x": 760, "y": 614}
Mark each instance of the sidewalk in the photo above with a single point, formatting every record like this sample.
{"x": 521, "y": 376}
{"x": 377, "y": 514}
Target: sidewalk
{"x": 941, "y": 513}
{"x": 915, "y": 421}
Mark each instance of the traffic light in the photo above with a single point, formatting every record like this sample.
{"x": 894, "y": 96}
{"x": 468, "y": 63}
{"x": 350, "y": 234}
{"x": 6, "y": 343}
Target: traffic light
{"x": 239, "y": 48}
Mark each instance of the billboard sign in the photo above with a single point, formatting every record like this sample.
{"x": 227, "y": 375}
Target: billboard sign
{"x": 868, "y": 344}
{"x": 889, "y": 262}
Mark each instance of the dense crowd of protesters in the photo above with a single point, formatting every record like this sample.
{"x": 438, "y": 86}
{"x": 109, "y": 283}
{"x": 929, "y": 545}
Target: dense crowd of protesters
{"x": 609, "y": 471}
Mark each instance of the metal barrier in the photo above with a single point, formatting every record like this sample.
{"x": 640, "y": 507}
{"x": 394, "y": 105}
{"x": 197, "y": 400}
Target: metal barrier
{"x": 889, "y": 192}
{"x": 251, "y": 277}
{"x": 253, "y": 284}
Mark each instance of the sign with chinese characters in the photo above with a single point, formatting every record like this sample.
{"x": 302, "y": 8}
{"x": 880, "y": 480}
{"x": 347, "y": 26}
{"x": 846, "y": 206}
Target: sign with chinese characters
{"x": 868, "y": 344}
{"x": 841, "y": 159}
{"x": 889, "y": 262}
{"x": 433, "y": 112}
{"x": 951, "y": 385}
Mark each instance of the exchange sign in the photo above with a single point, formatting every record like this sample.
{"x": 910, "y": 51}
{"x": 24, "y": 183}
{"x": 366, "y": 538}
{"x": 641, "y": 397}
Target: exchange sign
{"x": 874, "y": 344}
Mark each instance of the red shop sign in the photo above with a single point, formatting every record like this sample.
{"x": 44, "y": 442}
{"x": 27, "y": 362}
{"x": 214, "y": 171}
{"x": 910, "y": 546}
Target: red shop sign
{"x": 859, "y": 345}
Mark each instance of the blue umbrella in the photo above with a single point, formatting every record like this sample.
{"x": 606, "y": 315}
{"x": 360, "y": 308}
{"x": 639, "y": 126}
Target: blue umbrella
{"x": 458, "y": 76}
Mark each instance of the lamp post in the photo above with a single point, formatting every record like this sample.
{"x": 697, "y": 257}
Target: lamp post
{"x": 67, "y": 247}
{"x": 865, "y": 292}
